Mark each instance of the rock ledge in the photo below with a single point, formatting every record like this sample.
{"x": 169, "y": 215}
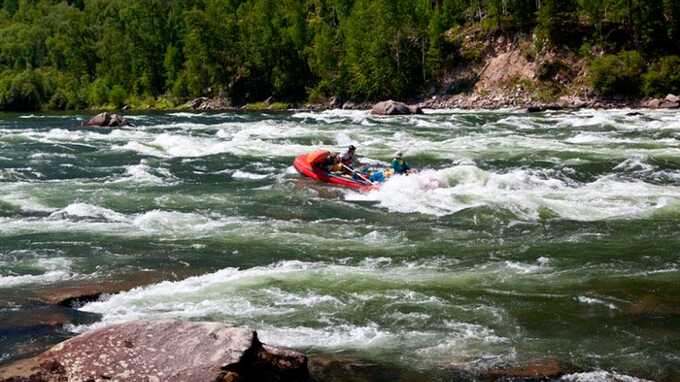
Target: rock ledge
{"x": 162, "y": 351}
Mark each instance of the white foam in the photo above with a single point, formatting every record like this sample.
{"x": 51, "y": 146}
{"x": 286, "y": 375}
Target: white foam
{"x": 523, "y": 192}
{"x": 84, "y": 210}
{"x": 595, "y": 301}
{"x": 335, "y": 116}
{"x": 600, "y": 376}
{"x": 238, "y": 174}
{"x": 187, "y": 115}
{"x": 55, "y": 269}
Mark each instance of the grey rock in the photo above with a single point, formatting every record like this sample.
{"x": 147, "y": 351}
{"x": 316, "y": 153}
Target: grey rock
{"x": 672, "y": 98}
{"x": 395, "y": 108}
{"x": 198, "y": 103}
{"x": 349, "y": 105}
{"x": 165, "y": 351}
{"x": 107, "y": 119}
{"x": 652, "y": 103}
{"x": 334, "y": 103}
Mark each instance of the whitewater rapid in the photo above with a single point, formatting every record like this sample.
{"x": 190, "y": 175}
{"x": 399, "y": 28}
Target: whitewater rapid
{"x": 521, "y": 235}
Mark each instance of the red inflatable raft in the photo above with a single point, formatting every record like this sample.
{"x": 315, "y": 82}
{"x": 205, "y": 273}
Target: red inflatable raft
{"x": 304, "y": 164}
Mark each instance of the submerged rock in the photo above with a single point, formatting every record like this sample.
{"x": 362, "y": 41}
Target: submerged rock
{"x": 163, "y": 351}
{"x": 395, "y": 108}
{"x": 107, "y": 119}
{"x": 535, "y": 370}
{"x": 74, "y": 293}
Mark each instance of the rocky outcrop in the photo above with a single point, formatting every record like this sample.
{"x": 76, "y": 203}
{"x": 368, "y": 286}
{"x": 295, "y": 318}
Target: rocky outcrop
{"x": 670, "y": 102}
{"x": 163, "y": 351}
{"x": 107, "y": 119}
{"x": 395, "y": 108}
{"x": 205, "y": 103}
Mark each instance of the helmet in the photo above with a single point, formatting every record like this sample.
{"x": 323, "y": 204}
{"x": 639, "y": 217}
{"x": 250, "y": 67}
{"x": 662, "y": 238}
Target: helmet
{"x": 351, "y": 148}
{"x": 398, "y": 154}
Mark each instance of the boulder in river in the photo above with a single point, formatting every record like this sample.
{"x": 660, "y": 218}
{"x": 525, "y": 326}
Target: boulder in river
{"x": 107, "y": 119}
{"x": 163, "y": 351}
{"x": 395, "y": 108}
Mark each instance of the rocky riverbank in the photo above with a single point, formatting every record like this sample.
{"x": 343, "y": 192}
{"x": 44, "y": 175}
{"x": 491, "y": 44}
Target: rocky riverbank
{"x": 461, "y": 101}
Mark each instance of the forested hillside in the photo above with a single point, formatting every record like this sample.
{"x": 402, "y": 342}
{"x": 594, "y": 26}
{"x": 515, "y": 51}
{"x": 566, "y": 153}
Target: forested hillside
{"x": 92, "y": 53}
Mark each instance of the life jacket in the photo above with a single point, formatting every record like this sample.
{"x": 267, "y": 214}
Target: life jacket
{"x": 400, "y": 166}
{"x": 317, "y": 158}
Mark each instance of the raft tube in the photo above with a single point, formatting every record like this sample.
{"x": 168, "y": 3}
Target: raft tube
{"x": 303, "y": 165}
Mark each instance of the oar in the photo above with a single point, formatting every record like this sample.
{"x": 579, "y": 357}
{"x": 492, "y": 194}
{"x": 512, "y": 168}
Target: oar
{"x": 357, "y": 173}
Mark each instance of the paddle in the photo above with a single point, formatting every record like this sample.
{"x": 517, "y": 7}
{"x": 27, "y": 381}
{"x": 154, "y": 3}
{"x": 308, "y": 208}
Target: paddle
{"x": 357, "y": 173}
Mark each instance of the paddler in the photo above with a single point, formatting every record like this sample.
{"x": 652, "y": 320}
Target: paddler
{"x": 331, "y": 163}
{"x": 325, "y": 160}
{"x": 349, "y": 160}
{"x": 399, "y": 165}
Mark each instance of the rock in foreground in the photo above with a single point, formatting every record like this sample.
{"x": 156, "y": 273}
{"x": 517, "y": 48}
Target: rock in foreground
{"x": 394, "y": 108}
{"x": 163, "y": 351}
{"x": 107, "y": 119}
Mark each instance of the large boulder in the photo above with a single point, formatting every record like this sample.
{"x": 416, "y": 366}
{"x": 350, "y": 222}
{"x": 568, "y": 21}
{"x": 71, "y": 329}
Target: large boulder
{"x": 653, "y": 103}
{"x": 107, "y": 119}
{"x": 163, "y": 351}
{"x": 394, "y": 108}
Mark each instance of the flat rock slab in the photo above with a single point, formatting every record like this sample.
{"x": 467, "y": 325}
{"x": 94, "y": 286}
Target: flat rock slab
{"x": 163, "y": 351}
{"x": 78, "y": 292}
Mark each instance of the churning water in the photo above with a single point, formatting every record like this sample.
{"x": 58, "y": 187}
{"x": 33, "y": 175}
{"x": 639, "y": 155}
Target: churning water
{"x": 523, "y": 237}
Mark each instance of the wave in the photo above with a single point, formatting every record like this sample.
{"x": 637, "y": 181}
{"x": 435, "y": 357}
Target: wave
{"x": 528, "y": 194}
{"x": 320, "y": 315}
{"x": 238, "y": 174}
{"x": 53, "y": 270}
{"x": 335, "y": 116}
{"x": 84, "y": 211}
{"x": 600, "y": 376}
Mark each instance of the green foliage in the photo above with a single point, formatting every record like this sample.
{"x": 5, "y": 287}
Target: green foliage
{"x": 663, "y": 77}
{"x": 618, "y": 74}
{"x": 558, "y": 20}
{"x": 91, "y": 53}
{"x": 22, "y": 90}
{"x": 117, "y": 96}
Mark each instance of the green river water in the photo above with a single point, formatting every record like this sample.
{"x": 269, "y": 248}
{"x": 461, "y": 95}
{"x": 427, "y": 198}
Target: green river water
{"x": 523, "y": 237}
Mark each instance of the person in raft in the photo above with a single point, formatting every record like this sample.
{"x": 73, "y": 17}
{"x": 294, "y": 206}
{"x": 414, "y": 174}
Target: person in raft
{"x": 326, "y": 161}
{"x": 348, "y": 158}
{"x": 399, "y": 165}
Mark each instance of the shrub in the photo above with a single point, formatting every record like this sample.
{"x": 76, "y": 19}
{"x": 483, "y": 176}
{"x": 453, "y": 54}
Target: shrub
{"x": 617, "y": 74}
{"x": 24, "y": 90}
{"x": 98, "y": 93}
{"x": 663, "y": 77}
{"x": 117, "y": 96}
{"x": 549, "y": 70}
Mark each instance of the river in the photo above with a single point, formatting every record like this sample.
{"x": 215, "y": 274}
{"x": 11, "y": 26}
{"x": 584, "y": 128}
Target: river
{"x": 523, "y": 236}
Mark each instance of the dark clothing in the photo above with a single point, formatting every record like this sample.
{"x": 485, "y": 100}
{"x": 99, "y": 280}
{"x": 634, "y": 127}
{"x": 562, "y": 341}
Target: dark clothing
{"x": 348, "y": 159}
{"x": 328, "y": 163}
